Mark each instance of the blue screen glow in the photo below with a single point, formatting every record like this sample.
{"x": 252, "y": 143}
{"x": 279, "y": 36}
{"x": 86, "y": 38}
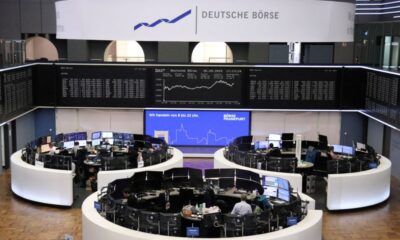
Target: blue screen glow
{"x": 197, "y": 128}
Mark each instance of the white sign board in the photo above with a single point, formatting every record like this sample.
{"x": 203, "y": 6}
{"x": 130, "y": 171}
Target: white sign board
{"x": 206, "y": 20}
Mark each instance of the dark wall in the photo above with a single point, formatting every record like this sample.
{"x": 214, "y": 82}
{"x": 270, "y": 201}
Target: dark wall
{"x": 278, "y": 53}
{"x": 353, "y": 128}
{"x": 317, "y": 53}
{"x": 45, "y": 122}
{"x": 10, "y": 23}
{"x": 173, "y": 52}
{"x": 258, "y": 52}
{"x": 394, "y": 155}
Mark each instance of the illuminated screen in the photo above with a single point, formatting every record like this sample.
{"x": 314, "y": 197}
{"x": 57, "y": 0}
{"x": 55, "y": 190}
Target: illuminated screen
{"x": 284, "y": 195}
{"x": 106, "y": 134}
{"x": 270, "y": 181}
{"x": 347, "y": 150}
{"x": 197, "y": 128}
{"x": 261, "y": 145}
{"x": 96, "y": 135}
{"x": 271, "y": 191}
{"x": 69, "y": 144}
{"x": 337, "y": 148}
{"x": 283, "y": 183}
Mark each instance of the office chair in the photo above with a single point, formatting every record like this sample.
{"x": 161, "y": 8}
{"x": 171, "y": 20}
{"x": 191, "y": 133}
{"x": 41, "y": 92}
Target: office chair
{"x": 119, "y": 214}
{"x": 280, "y": 215}
{"x": 233, "y": 225}
{"x": 170, "y": 224}
{"x": 250, "y": 224}
{"x": 132, "y": 218}
{"x": 263, "y": 221}
{"x": 149, "y": 222}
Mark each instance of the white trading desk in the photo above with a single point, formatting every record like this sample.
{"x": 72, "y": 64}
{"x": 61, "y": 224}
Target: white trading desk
{"x": 43, "y": 185}
{"x": 359, "y": 189}
{"x": 105, "y": 177}
{"x": 295, "y": 179}
{"x": 94, "y": 226}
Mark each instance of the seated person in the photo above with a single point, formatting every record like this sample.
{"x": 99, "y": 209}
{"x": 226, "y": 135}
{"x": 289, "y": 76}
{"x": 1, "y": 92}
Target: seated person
{"x": 105, "y": 144}
{"x": 311, "y": 154}
{"x": 332, "y": 155}
{"x": 53, "y": 149}
{"x": 273, "y": 151}
{"x": 242, "y": 207}
{"x": 75, "y": 149}
{"x": 263, "y": 199}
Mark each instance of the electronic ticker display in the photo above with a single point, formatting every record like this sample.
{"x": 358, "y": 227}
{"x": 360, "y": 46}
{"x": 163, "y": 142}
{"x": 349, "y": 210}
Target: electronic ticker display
{"x": 103, "y": 86}
{"x": 16, "y": 91}
{"x": 293, "y": 87}
{"x": 198, "y": 86}
{"x": 382, "y": 96}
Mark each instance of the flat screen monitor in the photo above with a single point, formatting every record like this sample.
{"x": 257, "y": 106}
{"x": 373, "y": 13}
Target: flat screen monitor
{"x": 211, "y": 173}
{"x": 288, "y": 144}
{"x": 361, "y": 146}
{"x": 197, "y": 128}
{"x": 82, "y": 143}
{"x": 287, "y": 137}
{"x": 69, "y": 144}
{"x": 261, "y": 145}
{"x": 270, "y": 181}
{"x": 283, "y": 183}
{"x": 284, "y": 195}
{"x": 96, "y": 142}
{"x": 292, "y": 220}
{"x": 274, "y": 137}
{"x": 225, "y": 183}
{"x": 276, "y": 144}
{"x": 96, "y": 135}
{"x": 347, "y": 150}
{"x": 106, "y": 134}
{"x": 118, "y": 135}
{"x": 192, "y": 231}
{"x": 59, "y": 137}
{"x": 254, "y": 176}
{"x": 227, "y": 172}
{"x": 243, "y": 174}
{"x": 271, "y": 191}
{"x": 323, "y": 139}
{"x": 127, "y": 136}
{"x": 98, "y": 206}
{"x": 337, "y": 148}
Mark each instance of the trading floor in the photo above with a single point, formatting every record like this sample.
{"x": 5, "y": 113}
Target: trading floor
{"x": 23, "y": 220}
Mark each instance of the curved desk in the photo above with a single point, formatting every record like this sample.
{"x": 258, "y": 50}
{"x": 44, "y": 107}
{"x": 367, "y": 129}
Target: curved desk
{"x": 96, "y": 227}
{"x": 105, "y": 177}
{"x": 43, "y": 185}
{"x": 295, "y": 179}
{"x": 359, "y": 189}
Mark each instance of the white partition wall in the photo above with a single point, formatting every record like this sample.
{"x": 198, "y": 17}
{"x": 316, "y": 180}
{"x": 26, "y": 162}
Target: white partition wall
{"x": 90, "y": 120}
{"x": 307, "y": 124}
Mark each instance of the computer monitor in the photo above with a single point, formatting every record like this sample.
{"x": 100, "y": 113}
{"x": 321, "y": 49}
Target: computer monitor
{"x": 59, "y": 137}
{"x": 82, "y": 143}
{"x": 96, "y": 142}
{"x": 274, "y": 137}
{"x": 287, "y": 136}
{"x": 276, "y": 144}
{"x": 323, "y": 139}
{"x": 288, "y": 144}
{"x": 243, "y": 174}
{"x": 261, "y": 145}
{"x": 271, "y": 191}
{"x": 211, "y": 173}
{"x": 96, "y": 135}
{"x": 69, "y": 144}
{"x": 348, "y": 150}
{"x": 283, "y": 183}
{"x": 98, "y": 206}
{"x": 118, "y": 135}
{"x": 225, "y": 183}
{"x": 106, "y": 134}
{"x": 361, "y": 146}
{"x": 227, "y": 172}
{"x": 254, "y": 176}
{"x": 337, "y": 148}
{"x": 284, "y": 195}
{"x": 270, "y": 181}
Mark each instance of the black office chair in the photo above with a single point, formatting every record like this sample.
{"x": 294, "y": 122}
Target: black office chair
{"x": 250, "y": 224}
{"x": 263, "y": 221}
{"x": 281, "y": 215}
{"x": 233, "y": 225}
{"x": 132, "y": 218}
{"x": 170, "y": 224}
{"x": 119, "y": 214}
{"x": 149, "y": 222}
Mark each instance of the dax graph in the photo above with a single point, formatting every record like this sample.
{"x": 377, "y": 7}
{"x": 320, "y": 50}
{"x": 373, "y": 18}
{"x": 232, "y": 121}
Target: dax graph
{"x": 198, "y": 86}
{"x": 197, "y": 128}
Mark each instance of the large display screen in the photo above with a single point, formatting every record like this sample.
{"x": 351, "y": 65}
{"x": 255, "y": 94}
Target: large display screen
{"x": 198, "y": 86}
{"x": 197, "y": 128}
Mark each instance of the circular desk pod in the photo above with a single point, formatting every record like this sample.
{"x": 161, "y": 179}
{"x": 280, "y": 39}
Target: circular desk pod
{"x": 94, "y": 226}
